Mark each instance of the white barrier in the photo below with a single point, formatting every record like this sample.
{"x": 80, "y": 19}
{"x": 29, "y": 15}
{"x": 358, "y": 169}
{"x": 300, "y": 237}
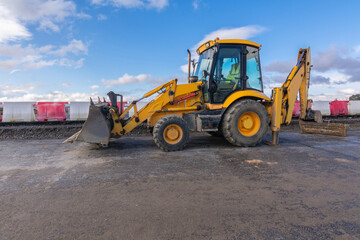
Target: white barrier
{"x": 322, "y": 106}
{"x": 354, "y": 107}
{"x": 79, "y": 110}
{"x": 18, "y": 112}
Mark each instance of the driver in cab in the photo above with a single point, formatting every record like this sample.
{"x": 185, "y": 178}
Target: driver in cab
{"x": 233, "y": 77}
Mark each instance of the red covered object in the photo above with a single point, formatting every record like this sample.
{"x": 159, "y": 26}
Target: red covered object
{"x": 51, "y": 111}
{"x": 118, "y": 104}
{"x": 339, "y": 108}
{"x": 122, "y": 107}
{"x": 296, "y": 110}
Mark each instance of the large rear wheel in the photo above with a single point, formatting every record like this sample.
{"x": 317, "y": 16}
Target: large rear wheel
{"x": 245, "y": 123}
{"x": 171, "y": 133}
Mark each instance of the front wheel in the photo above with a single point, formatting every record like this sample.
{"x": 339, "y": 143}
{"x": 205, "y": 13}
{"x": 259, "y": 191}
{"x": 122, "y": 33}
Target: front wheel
{"x": 245, "y": 123}
{"x": 171, "y": 133}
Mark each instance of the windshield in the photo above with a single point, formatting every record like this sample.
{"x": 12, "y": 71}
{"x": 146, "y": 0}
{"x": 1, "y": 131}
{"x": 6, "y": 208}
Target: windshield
{"x": 253, "y": 71}
{"x": 204, "y": 63}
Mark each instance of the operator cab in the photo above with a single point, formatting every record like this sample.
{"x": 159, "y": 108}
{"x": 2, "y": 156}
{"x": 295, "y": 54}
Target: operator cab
{"x": 227, "y": 66}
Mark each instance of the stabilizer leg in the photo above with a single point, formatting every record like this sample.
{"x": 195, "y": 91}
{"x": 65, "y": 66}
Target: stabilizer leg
{"x": 275, "y": 138}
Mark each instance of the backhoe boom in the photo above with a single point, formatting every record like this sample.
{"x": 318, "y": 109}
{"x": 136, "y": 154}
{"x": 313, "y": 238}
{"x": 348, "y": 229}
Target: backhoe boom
{"x": 283, "y": 98}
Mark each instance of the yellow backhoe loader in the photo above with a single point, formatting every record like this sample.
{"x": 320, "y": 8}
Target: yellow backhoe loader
{"x": 223, "y": 97}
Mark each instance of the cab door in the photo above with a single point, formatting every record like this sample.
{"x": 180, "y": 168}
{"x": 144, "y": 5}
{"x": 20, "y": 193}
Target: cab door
{"x": 236, "y": 68}
{"x": 227, "y": 72}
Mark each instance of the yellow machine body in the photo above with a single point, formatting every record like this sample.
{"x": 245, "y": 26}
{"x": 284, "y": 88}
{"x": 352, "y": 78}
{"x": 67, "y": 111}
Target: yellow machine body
{"x": 187, "y": 100}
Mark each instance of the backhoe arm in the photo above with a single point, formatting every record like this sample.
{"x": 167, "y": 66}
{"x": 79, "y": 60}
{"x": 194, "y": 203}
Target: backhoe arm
{"x": 297, "y": 81}
{"x": 283, "y": 98}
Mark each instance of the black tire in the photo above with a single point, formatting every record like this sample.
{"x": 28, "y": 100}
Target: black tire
{"x": 230, "y": 123}
{"x": 162, "y": 125}
{"x": 216, "y": 133}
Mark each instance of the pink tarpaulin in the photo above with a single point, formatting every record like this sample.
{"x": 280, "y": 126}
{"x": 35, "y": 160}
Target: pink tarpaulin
{"x": 51, "y": 111}
{"x": 339, "y": 108}
{"x": 296, "y": 110}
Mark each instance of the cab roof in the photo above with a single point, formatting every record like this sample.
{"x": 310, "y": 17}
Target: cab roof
{"x": 211, "y": 43}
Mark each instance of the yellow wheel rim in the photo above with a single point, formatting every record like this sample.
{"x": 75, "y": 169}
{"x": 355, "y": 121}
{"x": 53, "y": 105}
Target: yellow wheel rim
{"x": 173, "y": 134}
{"x": 249, "y": 124}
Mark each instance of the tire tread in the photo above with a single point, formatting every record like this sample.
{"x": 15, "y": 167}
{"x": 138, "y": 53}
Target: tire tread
{"x": 158, "y": 138}
{"x": 226, "y": 126}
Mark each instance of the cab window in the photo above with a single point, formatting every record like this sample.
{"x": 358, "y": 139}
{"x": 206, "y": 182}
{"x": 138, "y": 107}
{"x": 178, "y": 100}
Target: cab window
{"x": 227, "y": 72}
{"x": 205, "y": 63}
{"x": 253, "y": 69}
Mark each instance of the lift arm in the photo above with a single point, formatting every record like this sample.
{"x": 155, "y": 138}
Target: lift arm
{"x": 169, "y": 94}
{"x": 105, "y": 121}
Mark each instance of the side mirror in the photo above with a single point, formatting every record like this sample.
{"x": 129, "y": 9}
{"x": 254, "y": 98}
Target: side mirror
{"x": 193, "y": 79}
{"x": 205, "y": 73}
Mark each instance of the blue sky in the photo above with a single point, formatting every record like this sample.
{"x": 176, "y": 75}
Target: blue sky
{"x": 52, "y": 50}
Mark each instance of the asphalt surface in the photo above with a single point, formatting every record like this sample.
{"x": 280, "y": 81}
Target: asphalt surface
{"x": 306, "y": 188}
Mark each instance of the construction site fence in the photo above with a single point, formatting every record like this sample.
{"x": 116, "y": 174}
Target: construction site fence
{"x": 77, "y": 111}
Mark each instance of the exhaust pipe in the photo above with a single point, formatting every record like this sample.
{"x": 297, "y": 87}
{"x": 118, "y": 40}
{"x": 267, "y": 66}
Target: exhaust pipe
{"x": 189, "y": 62}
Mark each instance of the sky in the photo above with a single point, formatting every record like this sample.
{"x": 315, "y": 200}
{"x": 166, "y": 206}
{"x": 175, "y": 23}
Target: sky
{"x": 67, "y": 50}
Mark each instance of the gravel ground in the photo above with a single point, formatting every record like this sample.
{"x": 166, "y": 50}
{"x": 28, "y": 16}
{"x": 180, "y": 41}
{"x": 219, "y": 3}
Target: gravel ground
{"x": 306, "y": 188}
{"x": 60, "y": 130}
{"x": 51, "y": 130}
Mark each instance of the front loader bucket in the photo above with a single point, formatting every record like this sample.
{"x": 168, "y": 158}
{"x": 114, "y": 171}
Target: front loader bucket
{"x": 96, "y": 128}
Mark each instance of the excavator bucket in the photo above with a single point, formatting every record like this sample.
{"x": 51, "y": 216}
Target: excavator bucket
{"x": 335, "y": 129}
{"x": 96, "y": 128}
{"x": 317, "y": 126}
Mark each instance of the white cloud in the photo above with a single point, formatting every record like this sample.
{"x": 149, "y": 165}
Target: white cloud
{"x": 8, "y": 89}
{"x": 335, "y": 74}
{"x": 126, "y": 79}
{"x": 341, "y": 95}
{"x": 14, "y": 71}
{"x": 196, "y": 4}
{"x": 184, "y": 68}
{"x": 55, "y": 96}
{"x": 26, "y": 92}
{"x": 349, "y": 91}
{"x": 47, "y": 13}
{"x": 157, "y": 4}
{"x": 30, "y": 57}
{"x": 10, "y": 28}
{"x": 245, "y": 32}
{"x": 66, "y": 84}
{"x": 83, "y": 15}
{"x": 94, "y": 86}
{"x": 18, "y": 93}
{"x": 357, "y": 48}
{"x": 101, "y": 17}
{"x": 333, "y": 66}
{"x": 75, "y": 47}
{"x": 65, "y": 62}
